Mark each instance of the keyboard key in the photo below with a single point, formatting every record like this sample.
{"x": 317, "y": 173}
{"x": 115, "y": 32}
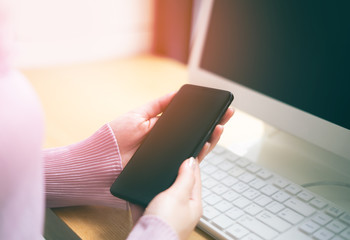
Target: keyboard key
{"x": 293, "y": 189}
{"x": 209, "y": 212}
{"x": 300, "y": 207}
{"x": 222, "y": 222}
{"x": 234, "y": 213}
{"x": 345, "y": 218}
{"x": 323, "y": 234}
{"x": 280, "y": 196}
{"x": 230, "y": 195}
{"x": 203, "y": 176}
{"x": 251, "y": 193}
{"x": 305, "y": 196}
{"x": 218, "y": 175}
{"x": 209, "y": 183}
{"x": 204, "y": 163}
{"x": 223, "y": 206}
{"x": 337, "y": 238}
{"x": 237, "y": 231}
{"x": 231, "y": 156}
{"x": 219, "y": 189}
{"x": 318, "y": 203}
{"x": 240, "y": 187}
{"x": 253, "y": 168}
{"x": 243, "y": 162}
{"x": 264, "y": 174}
{"x": 226, "y": 165}
{"x": 216, "y": 160}
{"x": 290, "y": 216}
{"x": 269, "y": 190}
{"x": 218, "y": 150}
{"x": 257, "y": 227}
{"x": 334, "y": 211}
{"x": 309, "y": 227}
{"x": 229, "y": 181}
{"x": 262, "y": 200}
{"x": 253, "y": 209}
{"x": 208, "y": 157}
{"x": 346, "y": 234}
{"x": 252, "y": 236}
{"x": 209, "y": 169}
{"x": 273, "y": 221}
{"x": 211, "y": 199}
{"x": 274, "y": 207}
{"x": 280, "y": 182}
{"x": 336, "y": 226}
{"x": 241, "y": 202}
{"x": 321, "y": 218}
{"x": 246, "y": 177}
{"x": 236, "y": 171}
{"x": 205, "y": 192}
{"x": 257, "y": 183}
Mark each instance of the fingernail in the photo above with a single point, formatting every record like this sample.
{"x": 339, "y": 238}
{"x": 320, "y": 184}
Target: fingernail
{"x": 192, "y": 163}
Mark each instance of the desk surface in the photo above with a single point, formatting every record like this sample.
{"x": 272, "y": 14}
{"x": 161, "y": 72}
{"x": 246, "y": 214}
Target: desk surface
{"x": 78, "y": 99}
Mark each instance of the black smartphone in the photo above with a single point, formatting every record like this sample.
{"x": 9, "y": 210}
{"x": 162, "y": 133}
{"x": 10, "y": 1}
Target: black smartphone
{"x": 180, "y": 133}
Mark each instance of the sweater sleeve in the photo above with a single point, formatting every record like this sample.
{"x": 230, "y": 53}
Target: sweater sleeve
{"x": 82, "y": 173}
{"x": 152, "y": 227}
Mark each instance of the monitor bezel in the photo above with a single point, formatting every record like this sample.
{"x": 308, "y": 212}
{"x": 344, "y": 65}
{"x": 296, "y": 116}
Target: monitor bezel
{"x": 311, "y": 128}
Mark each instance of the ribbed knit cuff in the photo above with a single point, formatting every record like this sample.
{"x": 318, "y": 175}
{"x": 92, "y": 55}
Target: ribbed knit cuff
{"x": 82, "y": 173}
{"x": 152, "y": 227}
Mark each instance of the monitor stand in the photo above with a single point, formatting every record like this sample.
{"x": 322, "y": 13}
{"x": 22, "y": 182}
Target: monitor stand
{"x": 290, "y": 157}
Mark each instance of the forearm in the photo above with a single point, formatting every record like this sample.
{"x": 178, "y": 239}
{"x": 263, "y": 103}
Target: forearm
{"x": 82, "y": 173}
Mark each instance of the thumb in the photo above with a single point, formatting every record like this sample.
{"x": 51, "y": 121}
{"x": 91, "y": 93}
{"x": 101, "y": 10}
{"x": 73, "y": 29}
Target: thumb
{"x": 186, "y": 178}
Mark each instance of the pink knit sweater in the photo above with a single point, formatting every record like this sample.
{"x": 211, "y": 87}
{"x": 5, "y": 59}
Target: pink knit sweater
{"x": 79, "y": 174}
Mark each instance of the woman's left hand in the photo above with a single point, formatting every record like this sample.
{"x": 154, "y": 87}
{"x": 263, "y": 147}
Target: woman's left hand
{"x": 131, "y": 128}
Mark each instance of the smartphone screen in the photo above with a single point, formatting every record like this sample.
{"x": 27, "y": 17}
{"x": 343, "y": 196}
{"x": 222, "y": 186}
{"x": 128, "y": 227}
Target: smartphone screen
{"x": 180, "y": 133}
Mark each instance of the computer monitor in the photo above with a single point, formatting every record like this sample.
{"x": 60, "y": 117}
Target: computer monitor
{"x": 287, "y": 63}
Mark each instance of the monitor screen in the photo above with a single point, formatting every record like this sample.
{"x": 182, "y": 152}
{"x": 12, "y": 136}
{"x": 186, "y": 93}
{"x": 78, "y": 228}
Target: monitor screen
{"x": 296, "y": 52}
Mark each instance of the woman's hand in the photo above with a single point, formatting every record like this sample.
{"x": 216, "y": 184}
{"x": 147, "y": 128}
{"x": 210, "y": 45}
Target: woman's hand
{"x": 131, "y": 128}
{"x": 181, "y": 204}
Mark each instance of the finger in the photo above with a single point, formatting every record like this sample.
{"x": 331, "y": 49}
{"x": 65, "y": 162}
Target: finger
{"x": 229, "y": 113}
{"x": 196, "y": 199}
{"x": 197, "y": 188}
{"x": 215, "y": 137}
{"x": 151, "y": 122}
{"x": 203, "y": 152}
{"x": 185, "y": 180}
{"x": 155, "y": 107}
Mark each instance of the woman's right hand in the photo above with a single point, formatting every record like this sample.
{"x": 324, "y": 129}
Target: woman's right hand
{"x": 180, "y": 205}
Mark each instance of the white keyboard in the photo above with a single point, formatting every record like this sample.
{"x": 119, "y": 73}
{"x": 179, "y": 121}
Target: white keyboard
{"x": 242, "y": 200}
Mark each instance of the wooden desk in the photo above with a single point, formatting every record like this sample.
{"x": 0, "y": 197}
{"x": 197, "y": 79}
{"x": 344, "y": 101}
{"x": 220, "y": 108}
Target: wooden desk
{"x": 78, "y": 99}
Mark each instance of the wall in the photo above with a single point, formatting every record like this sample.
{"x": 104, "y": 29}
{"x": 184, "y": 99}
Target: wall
{"x": 51, "y": 32}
